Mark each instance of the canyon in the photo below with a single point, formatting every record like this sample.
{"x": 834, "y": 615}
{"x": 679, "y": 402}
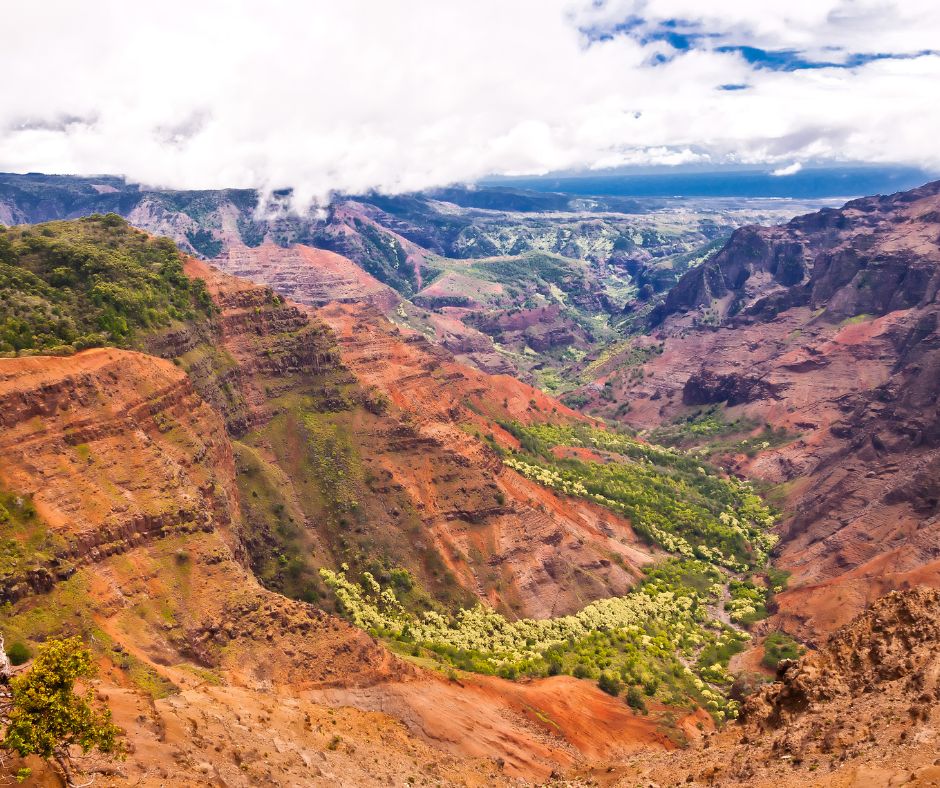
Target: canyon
{"x": 175, "y": 498}
{"x": 824, "y": 329}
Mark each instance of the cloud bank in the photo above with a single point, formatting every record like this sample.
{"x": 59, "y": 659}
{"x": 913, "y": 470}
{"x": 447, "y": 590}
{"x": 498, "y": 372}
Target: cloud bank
{"x": 359, "y": 95}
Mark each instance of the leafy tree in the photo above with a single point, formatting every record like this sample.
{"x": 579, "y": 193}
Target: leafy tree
{"x": 47, "y": 717}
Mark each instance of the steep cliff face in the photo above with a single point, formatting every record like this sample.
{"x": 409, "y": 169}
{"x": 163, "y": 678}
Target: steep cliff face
{"x": 308, "y": 276}
{"x": 125, "y": 465}
{"x": 825, "y": 330}
{"x": 873, "y": 256}
{"x": 359, "y": 443}
{"x": 122, "y": 520}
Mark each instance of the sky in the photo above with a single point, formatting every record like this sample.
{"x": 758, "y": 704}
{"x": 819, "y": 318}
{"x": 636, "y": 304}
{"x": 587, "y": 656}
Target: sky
{"x": 401, "y": 96}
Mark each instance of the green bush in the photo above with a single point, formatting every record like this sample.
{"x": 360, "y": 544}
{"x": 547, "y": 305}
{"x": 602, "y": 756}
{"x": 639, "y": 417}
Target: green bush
{"x": 779, "y": 646}
{"x": 635, "y": 700}
{"x": 19, "y": 652}
{"x": 610, "y": 684}
{"x": 581, "y": 671}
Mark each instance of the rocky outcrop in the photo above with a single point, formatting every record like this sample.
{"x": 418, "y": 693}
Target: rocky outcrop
{"x": 885, "y": 663}
{"x": 706, "y": 387}
{"x": 862, "y": 710}
{"x": 873, "y": 256}
{"x": 541, "y": 328}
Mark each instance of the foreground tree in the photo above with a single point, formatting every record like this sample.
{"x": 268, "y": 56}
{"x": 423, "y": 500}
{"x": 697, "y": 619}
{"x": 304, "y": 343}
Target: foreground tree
{"x": 46, "y": 716}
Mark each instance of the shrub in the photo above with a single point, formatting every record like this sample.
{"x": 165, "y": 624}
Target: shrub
{"x": 19, "y": 652}
{"x": 635, "y": 699}
{"x": 610, "y": 684}
{"x": 581, "y": 671}
{"x": 779, "y": 646}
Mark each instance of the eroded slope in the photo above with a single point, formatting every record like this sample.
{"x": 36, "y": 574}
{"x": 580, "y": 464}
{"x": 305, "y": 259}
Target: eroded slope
{"x": 824, "y": 330}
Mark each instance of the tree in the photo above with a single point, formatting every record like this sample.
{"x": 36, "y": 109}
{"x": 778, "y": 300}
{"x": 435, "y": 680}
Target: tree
{"x": 46, "y": 716}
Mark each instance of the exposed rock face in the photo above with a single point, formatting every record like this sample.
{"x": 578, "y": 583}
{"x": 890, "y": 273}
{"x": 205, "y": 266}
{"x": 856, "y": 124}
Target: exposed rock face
{"x": 507, "y": 539}
{"x": 308, "y": 276}
{"x": 863, "y": 710}
{"x": 126, "y": 464}
{"x": 133, "y": 477}
{"x": 706, "y": 387}
{"x": 826, "y": 327}
{"x": 540, "y": 329}
{"x": 56, "y": 409}
{"x": 894, "y": 647}
{"x": 873, "y": 256}
{"x": 430, "y": 494}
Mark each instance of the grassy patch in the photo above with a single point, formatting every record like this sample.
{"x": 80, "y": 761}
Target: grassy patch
{"x": 852, "y": 321}
{"x": 25, "y": 541}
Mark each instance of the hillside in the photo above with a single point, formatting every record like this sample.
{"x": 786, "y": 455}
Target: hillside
{"x": 565, "y": 268}
{"x": 805, "y": 355}
{"x": 174, "y": 507}
{"x": 860, "y": 711}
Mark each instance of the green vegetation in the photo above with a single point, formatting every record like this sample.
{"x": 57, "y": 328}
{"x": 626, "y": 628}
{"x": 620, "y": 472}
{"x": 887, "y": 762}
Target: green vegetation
{"x": 25, "y": 541}
{"x": 670, "y": 498}
{"x": 319, "y": 501}
{"x": 274, "y": 534}
{"x": 710, "y": 433}
{"x": 748, "y": 602}
{"x": 47, "y": 717}
{"x": 204, "y": 242}
{"x": 627, "y": 353}
{"x": 664, "y": 640}
{"x": 852, "y": 321}
{"x": 69, "y": 285}
{"x": 383, "y": 256}
{"x": 707, "y": 422}
{"x": 658, "y": 639}
{"x": 19, "y": 652}
{"x": 779, "y": 646}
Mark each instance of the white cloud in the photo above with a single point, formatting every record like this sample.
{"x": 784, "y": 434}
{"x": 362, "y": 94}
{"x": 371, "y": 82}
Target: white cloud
{"x": 349, "y": 96}
{"x": 790, "y": 169}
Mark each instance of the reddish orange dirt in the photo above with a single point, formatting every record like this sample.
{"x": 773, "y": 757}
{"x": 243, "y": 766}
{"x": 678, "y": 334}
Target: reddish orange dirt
{"x": 132, "y": 474}
{"x": 308, "y": 275}
{"x": 542, "y": 555}
{"x": 502, "y": 537}
{"x": 533, "y": 728}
